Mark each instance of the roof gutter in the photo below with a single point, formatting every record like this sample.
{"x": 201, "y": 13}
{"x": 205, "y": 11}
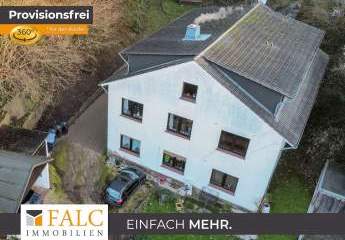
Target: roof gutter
{"x": 102, "y": 85}
{"x": 288, "y": 148}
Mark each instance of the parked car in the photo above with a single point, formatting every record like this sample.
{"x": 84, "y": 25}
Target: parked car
{"x": 123, "y": 185}
{"x": 51, "y": 139}
{"x": 33, "y": 198}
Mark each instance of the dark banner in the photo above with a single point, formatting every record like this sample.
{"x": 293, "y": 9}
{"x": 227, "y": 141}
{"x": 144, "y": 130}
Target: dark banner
{"x": 46, "y": 15}
{"x": 210, "y": 224}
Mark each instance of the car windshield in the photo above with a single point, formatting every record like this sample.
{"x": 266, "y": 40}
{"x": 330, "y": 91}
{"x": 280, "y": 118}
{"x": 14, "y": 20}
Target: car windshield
{"x": 113, "y": 194}
{"x": 129, "y": 174}
{"x": 134, "y": 170}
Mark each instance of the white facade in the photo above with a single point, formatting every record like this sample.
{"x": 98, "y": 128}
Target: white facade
{"x": 263, "y": 1}
{"x": 43, "y": 180}
{"x": 215, "y": 109}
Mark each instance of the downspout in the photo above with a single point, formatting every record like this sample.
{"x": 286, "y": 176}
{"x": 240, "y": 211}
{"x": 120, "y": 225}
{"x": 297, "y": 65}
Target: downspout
{"x": 287, "y": 148}
{"x": 104, "y": 89}
{"x": 127, "y": 64}
{"x": 46, "y": 148}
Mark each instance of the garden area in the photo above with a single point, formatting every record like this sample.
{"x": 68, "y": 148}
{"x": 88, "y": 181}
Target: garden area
{"x": 163, "y": 201}
{"x": 288, "y": 194}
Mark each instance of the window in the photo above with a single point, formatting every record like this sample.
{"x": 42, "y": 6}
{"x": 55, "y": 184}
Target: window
{"x": 233, "y": 143}
{"x": 132, "y": 109}
{"x": 179, "y": 125}
{"x": 130, "y": 144}
{"x": 189, "y": 91}
{"x": 174, "y": 161}
{"x": 224, "y": 181}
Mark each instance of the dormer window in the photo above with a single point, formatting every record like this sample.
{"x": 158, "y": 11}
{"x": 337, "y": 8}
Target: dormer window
{"x": 189, "y": 91}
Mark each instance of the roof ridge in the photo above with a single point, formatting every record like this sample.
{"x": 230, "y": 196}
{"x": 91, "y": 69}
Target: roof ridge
{"x": 223, "y": 34}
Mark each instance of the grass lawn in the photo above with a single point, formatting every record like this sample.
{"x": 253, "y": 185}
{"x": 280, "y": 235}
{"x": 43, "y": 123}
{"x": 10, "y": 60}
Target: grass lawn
{"x": 154, "y": 206}
{"x": 145, "y": 17}
{"x": 288, "y": 194}
{"x": 172, "y": 10}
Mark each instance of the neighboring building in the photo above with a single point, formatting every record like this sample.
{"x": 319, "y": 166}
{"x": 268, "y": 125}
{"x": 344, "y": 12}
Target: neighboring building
{"x": 23, "y": 166}
{"x": 19, "y": 173}
{"x": 214, "y": 106}
{"x": 329, "y": 196}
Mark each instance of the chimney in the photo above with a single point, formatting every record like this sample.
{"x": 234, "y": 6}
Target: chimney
{"x": 192, "y": 32}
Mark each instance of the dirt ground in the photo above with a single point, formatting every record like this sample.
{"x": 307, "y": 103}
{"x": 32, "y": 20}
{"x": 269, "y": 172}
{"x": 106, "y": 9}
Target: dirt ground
{"x": 63, "y": 71}
{"x": 70, "y": 100}
{"x": 80, "y": 186}
{"x": 82, "y": 171}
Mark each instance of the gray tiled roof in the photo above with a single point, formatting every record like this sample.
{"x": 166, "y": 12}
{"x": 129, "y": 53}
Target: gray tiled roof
{"x": 169, "y": 40}
{"x": 268, "y": 48}
{"x": 294, "y": 112}
{"x": 15, "y": 171}
{"x": 122, "y": 72}
{"x": 334, "y": 179}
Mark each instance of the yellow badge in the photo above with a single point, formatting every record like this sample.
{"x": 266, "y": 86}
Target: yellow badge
{"x": 24, "y": 35}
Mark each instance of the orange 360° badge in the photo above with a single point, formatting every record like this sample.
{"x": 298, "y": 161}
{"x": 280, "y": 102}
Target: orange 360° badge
{"x": 24, "y": 35}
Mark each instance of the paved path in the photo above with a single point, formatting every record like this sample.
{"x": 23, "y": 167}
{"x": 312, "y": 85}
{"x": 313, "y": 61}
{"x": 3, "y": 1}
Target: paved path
{"x": 90, "y": 129}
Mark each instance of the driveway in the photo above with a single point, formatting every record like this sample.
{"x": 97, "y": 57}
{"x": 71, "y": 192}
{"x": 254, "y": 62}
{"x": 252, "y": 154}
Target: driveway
{"x": 79, "y": 155}
{"x": 90, "y": 129}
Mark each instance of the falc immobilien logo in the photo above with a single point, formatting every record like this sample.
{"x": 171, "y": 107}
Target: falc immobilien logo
{"x": 61, "y": 221}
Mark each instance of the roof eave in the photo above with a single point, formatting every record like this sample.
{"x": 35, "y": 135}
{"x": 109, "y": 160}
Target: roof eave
{"x": 48, "y": 160}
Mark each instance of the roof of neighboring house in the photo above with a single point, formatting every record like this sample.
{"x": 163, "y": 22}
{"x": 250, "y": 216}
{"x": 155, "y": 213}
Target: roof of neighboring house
{"x": 21, "y": 140}
{"x": 15, "y": 172}
{"x": 334, "y": 179}
{"x": 272, "y": 63}
{"x": 329, "y": 196}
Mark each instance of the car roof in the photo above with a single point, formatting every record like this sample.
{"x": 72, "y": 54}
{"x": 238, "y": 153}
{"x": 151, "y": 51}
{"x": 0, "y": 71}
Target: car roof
{"x": 120, "y": 182}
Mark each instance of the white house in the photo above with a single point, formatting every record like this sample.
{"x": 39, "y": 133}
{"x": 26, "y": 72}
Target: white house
{"x": 214, "y": 106}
